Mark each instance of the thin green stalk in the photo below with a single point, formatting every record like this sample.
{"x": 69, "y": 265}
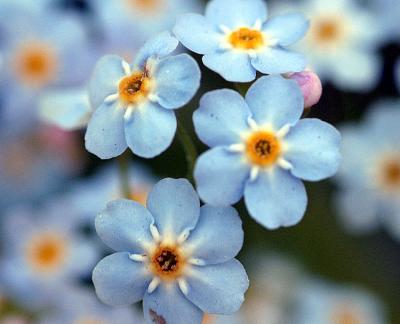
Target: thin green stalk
{"x": 123, "y": 168}
{"x": 189, "y": 149}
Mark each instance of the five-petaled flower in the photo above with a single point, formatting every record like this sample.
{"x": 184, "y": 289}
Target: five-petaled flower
{"x": 237, "y": 39}
{"x": 261, "y": 149}
{"x": 134, "y": 103}
{"x": 178, "y": 257}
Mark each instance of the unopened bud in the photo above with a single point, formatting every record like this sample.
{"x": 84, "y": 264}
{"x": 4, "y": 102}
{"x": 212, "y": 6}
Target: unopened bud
{"x": 310, "y": 86}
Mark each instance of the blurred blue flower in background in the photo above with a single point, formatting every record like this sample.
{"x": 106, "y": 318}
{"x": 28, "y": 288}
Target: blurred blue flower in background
{"x": 134, "y": 104}
{"x": 317, "y": 301}
{"x": 81, "y": 306}
{"x": 369, "y": 176}
{"x": 42, "y": 253}
{"x": 41, "y": 50}
{"x": 260, "y": 149}
{"x": 237, "y": 39}
{"x": 179, "y": 257}
{"x": 342, "y": 42}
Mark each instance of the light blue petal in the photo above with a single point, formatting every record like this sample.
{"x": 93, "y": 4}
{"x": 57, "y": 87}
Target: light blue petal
{"x": 150, "y": 129}
{"x": 287, "y": 29}
{"x": 236, "y": 13}
{"x": 105, "y": 79}
{"x": 174, "y": 205}
{"x": 219, "y": 288}
{"x": 120, "y": 281}
{"x": 313, "y": 149}
{"x": 197, "y": 34}
{"x": 221, "y": 117}
{"x": 232, "y": 65}
{"x": 68, "y": 109}
{"x": 125, "y": 226}
{"x": 276, "y": 199}
{"x": 177, "y": 80}
{"x": 278, "y": 61}
{"x": 167, "y": 305}
{"x": 158, "y": 46}
{"x": 220, "y": 176}
{"x": 218, "y": 236}
{"x": 105, "y": 136}
{"x": 275, "y": 101}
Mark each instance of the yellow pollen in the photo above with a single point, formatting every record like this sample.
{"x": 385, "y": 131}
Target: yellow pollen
{"x": 133, "y": 88}
{"x": 247, "y": 39}
{"x": 263, "y": 148}
{"x": 36, "y": 64}
{"x": 47, "y": 252}
{"x": 167, "y": 262}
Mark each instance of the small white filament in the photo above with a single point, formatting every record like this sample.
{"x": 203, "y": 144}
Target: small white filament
{"x": 183, "y": 285}
{"x": 255, "y": 170}
{"x": 284, "y": 164}
{"x": 153, "y": 284}
{"x": 155, "y": 233}
{"x": 137, "y": 257}
{"x": 196, "y": 261}
{"x": 126, "y": 68}
{"x": 111, "y": 98}
{"x": 237, "y": 148}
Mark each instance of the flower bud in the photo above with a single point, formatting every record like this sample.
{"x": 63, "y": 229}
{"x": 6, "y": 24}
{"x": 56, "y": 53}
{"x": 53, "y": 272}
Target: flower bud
{"x": 310, "y": 86}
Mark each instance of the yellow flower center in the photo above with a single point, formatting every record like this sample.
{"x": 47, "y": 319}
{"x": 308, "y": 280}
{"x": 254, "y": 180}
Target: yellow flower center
{"x": 146, "y": 6}
{"x": 47, "y": 252}
{"x": 36, "y": 64}
{"x": 346, "y": 316}
{"x": 167, "y": 262}
{"x": 246, "y": 39}
{"x": 390, "y": 174}
{"x": 139, "y": 196}
{"x": 263, "y": 148}
{"x": 134, "y": 88}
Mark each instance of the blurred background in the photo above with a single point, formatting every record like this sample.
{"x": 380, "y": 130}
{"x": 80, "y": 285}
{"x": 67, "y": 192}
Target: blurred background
{"x": 340, "y": 265}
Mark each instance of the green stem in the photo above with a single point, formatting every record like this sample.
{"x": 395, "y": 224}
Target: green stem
{"x": 123, "y": 168}
{"x": 189, "y": 148}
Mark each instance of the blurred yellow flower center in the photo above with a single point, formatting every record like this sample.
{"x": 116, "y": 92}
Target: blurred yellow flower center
{"x": 346, "y": 316}
{"x": 47, "y": 252}
{"x": 36, "y": 64}
{"x": 139, "y": 195}
{"x": 147, "y": 6}
{"x": 247, "y": 39}
{"x": 133, "y": 88}
{"x": 208, "y": 319}
{"x": 167, "y": 262}
{"x": 263, "y": 148}
{"x": 328, "y": 31}
{"x": 391, "y": 174}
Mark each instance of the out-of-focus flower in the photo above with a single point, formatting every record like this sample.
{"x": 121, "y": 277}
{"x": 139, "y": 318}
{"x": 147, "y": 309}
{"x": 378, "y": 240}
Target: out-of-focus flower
{"x": 68, "y": 109}
{"x": 134, "y": 103}
{"x": 319, "y": 302}
{"x": 260, "y": 149}
{"x": 387, "y": 13}
{"x": 370, "y": 172}
{"x": 34, "y": 164}
{"x": 41, "y": 51}
{"x": 42, "y": 253}
{"x": 81, "y": 306}
{"x": 237, "y": 39}
{"x": 144, "y": 18}
{"x": 179, "y": 257}
{"x": 310, "y": 86}
{"x": 342, "y": 42}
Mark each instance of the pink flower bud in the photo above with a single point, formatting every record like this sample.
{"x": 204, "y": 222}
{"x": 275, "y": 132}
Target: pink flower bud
{"x": 310, "y": 86}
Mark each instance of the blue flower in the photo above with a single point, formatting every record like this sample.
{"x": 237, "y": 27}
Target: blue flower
{"x": 237, "y": 39}
{"x": 369, "y": 176}
{"x": 43, "y": 252}
{"x": 175, "y": 255}
{"x": 260, "y": 149}
{"x": 134, "y": 103}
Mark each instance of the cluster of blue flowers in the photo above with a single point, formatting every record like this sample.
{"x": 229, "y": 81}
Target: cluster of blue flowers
{"x": 175, "y": 255}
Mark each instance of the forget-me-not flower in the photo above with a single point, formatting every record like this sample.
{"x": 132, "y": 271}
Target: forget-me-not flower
{"x": 237, "y": 39}
{"x": 260, "y": 149}
{"x": 175, "y": 255}
{"x": 134, "y": 103}
{"x": 369, "y": 176}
